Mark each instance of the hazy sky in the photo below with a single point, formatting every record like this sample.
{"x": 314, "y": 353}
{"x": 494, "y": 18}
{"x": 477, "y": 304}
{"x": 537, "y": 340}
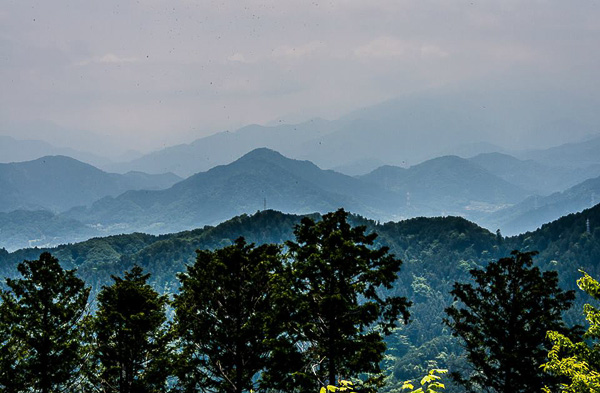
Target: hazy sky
{"x": 150, "y": 73}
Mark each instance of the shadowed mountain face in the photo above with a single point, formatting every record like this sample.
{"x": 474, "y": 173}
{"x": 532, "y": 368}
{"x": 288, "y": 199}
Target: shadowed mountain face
{"x": 59, "y": 183}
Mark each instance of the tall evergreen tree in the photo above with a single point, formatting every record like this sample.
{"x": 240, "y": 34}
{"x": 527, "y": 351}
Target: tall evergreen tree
{"x": 11, "y": 349}
{"x": 131, "y": 337}
{"x": 42, "y": 335}
{"x": 340, "y": 278}
{"x": 226, "y": 317}
{"x": 503, "y": 321}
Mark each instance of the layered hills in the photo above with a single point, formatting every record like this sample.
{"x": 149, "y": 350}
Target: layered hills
{"x": 515, "y": 191}
{"x": 576, "y": 155}
{"x": 393, "y": 133}
{"x": 261, "y": 177}
{"x": 86, "y": 201}
{"x": 225, "y": 147}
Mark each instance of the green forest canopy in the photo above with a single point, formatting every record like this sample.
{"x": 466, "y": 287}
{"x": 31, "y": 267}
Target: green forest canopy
{"x": 436, "y": 252}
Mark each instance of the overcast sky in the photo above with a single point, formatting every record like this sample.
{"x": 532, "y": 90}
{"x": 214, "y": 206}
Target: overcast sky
{"x": 152, "y": 73}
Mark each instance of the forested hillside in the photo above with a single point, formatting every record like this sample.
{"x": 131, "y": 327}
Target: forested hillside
{"x": 436, "y": 252}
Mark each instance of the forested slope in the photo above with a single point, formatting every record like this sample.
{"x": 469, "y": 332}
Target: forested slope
{"x": 436, "y": 253}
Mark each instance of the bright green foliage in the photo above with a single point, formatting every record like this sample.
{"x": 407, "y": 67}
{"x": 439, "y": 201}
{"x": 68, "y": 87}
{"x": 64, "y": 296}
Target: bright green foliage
{"x": 342, "y": 314}
{"x": 503, "y": 323}
{"x": 429, "y": 383}
{"x": 227, "y": 319}
{"x": 579, "y": 362}
{"x": 41, "y": 333}
{"x": 345, "y": 386}
{"x": 131, "y": 343}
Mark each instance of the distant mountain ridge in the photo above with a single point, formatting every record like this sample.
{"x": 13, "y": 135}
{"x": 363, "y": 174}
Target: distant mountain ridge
{"x": 393, "y": 133}
{"x": 260, "y": 177}
{"x": 59, "y": 183}
{"x": 480, "y": 189}
{"x": 266, "y": 178}
{"x": 18, "y": 150}
{"x": 534, "y": 211}
{"x": 224, "y": 147}
{"x": 449, "y": 182}
{"x": 532, "y": 175}
{"x": 570, "y": 155}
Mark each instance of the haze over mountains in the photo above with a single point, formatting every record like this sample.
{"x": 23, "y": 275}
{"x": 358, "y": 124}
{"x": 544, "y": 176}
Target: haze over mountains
{"x": 17, "y": 150}
{"x": 404, "y": 132}
{"x": 536, "y": 176}
{"x": 244, "y": 186}
{"x": 535, "y": 211}
{"x": 284, "y": 167}
{"x": 447, "y": 185}
{"x": 78, "y": 201}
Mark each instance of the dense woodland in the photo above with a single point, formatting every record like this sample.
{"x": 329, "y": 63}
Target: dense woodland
{"x": 436, "y": 253}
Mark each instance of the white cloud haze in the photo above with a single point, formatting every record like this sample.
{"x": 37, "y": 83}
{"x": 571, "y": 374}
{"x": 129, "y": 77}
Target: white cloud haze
{"x": 149, "y": 73}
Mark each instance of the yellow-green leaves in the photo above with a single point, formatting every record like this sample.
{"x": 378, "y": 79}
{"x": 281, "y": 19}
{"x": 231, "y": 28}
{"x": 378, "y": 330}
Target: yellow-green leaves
{"x": 430, "y": 383}
{"x": 345, "y": 386}
{"x": 577, "y": 361}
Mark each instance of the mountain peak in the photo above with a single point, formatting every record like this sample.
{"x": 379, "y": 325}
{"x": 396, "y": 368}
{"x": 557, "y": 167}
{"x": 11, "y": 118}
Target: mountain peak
{"x": 272, "y": 157}
{"x": 57, "y": 158}
{"x": 443, "y": 162}
{"x": 262, "y": 153}
{"x": 58, "y": 162}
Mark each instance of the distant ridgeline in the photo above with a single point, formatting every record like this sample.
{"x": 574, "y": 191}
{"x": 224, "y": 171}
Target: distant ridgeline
{"x": 58, "y": 200}
{"x": 435, "y": 252}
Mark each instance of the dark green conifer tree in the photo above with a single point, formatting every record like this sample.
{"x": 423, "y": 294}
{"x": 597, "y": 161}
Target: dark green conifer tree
{"x": 41, "y": 335}
{"x": 226, "y": 317}
{"x": 340, "y": 278}
{"x": 131, "y": 349}
{"x": 11, "y": 349}
{"x": 503, "y": 320}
